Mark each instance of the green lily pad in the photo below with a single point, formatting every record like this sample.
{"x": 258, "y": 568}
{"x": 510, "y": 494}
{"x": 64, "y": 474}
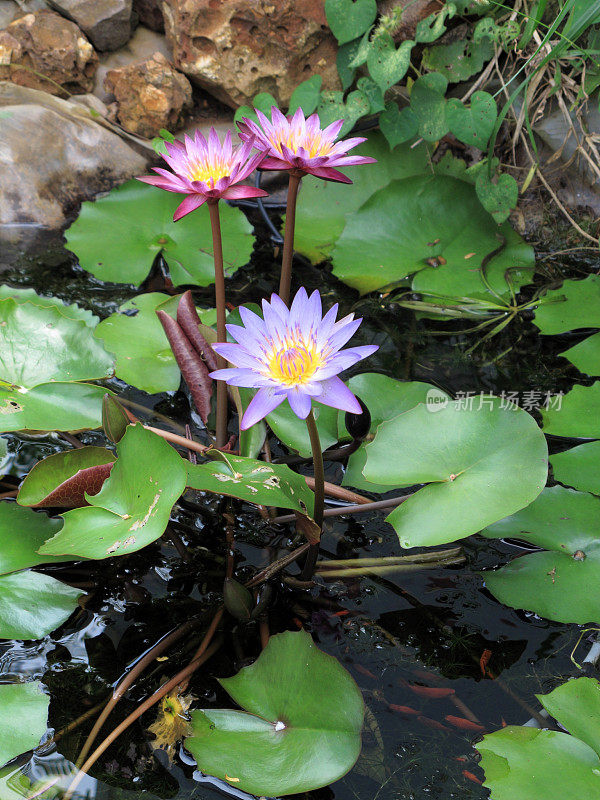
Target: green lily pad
{"x": 586, "y": 355}
{"x": 324, "y": 205}
{"x": 480, "y": 463}
{"x": 563, "y": 581}
{"x": 292, "y": 736}
{"x": 63, "y": 479}
{"x": 117, "y": 237}
{"x": 577, "y": 414}
{"x": 292, "y": 430}
{"x": 52, "y": 407}
{"x": 27, "y": 703}
{"x": 412, "y": 223}
{"x": 579, "y": 467}
{"x": 22, "y": 532}
{"x": 133, "y": 507}
{"x": 576, "y": 304}
{"x": 528, "y": 763}
{"x": 349, "y": 19}
{"x": 33, "y": 605}
{"x": 253, "y": 481}
{"x": 30, "y": 295}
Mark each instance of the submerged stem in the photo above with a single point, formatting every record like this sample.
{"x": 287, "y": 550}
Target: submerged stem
{"x": 317, "y": 453}
{"x": 215, "y": 223}
{"x": 285, "y": 281}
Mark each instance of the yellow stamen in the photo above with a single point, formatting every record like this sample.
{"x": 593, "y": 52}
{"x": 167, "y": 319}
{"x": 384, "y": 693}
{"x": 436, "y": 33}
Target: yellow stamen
{"x": 203, "y": 171}
{"x": 296, "y": 139}
{"x": 294, "y": 362}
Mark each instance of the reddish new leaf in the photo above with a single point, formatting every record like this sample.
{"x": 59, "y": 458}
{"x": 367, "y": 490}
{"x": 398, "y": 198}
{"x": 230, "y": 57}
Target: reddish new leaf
{"x": 188, "y": 319}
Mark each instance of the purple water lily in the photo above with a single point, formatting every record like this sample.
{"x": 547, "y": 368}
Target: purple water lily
{"x": 292, "y": 353}
{"x": 207, "y": 170}
{"x": 301, "y": 145}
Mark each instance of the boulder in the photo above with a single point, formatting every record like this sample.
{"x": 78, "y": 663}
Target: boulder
{"x": 45, "y": 51}
{"x": 107, "y": 23}
{"x": 150, "y": 14}
{"x": 150, "y": 95}
{"x": 237, "y": 48}
{"x": 54, "y": 154}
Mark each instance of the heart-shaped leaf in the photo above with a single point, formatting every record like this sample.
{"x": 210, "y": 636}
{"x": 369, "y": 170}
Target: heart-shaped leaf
{"x": 579, "y": 467}
{"x": 357, "y": 106}
{"x": 27, "y": 703}
{"x": 388, "y": 65}
{"x": 459, "y": 60}
{"x": 576, "y": 304}
{"x": 33, "y": 605}
{"x": 292, "y": 736}
{"x": 576, "y": 414}
{"x": 306, "y": 95}
{"x": 349, "y": 19}
{"x": 563, "y": 581}
{"x": 372, "y": 92}
{"x": 397, "y": 125}
{"x": 118, "y": 236}
{"x": 497, "y": 197}
{"x": 480, "y": 463}
{"x": 473, "y": 125}
{"x": 133, "y": 507}
{"x": 433, "y": 26}
{"x": 22, "y": 532}
{"x": 62, "y": 480}
{"x": 428, "y": 102}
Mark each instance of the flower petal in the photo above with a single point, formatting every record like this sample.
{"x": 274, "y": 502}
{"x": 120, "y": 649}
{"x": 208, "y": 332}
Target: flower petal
{"x": 300, "y": 403}
{"x": 337, "y": 395}
{"x": 191, "y": 202}
{"x": 263, "y": 402}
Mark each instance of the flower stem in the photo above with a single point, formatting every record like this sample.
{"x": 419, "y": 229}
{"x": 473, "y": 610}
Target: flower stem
{"x": 317, "y": 453}
{"x": 215, "y": 223}
{"x": 285, "y": 281}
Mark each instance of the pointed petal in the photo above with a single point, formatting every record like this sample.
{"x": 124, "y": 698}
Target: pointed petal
{"x": 191, "y": 202}
{"x": 299, "y": 402}
{"x": 263, "y": 402}
{"x": 329, "y": 174}
{"x": 242, "y": 192}
{"x": 337, "y": 395}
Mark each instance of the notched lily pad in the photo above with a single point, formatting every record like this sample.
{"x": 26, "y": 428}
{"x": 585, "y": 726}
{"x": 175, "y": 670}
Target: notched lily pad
{"x": 22, "y": 532}
{"x": 33, "y": 605}
{"x": 27, "y": 703}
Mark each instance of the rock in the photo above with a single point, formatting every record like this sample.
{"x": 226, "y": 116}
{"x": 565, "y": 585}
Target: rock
{"x": 45, "y": 44}
{"x": 9, "y": 9}
{"x": 150, "y": 14}
{"x": 237, "y": 48}
{"x": 107, "y": 23}
{"x": 53, "y": 156}
{"x": 150, "y": 95}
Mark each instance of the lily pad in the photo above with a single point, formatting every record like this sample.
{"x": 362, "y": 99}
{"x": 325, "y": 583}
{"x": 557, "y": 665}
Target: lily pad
{"x": 63, "y": 479}
{"x": 27, "y": 703}
{"x": 480, "y": 463}
{"x": 563, "y": 581}
{"x": 133, "y": 507}
{"x": 434, "y": 226}
{"x": 577, "y": 414}
{"x": 253, "y": 481}
{"x": 117, "y": 237}
{"x": 52, "y": 407}
{"x": 292, "y": 736}
{"x": 22, "y": 532}
{"x": 292, "y": 430}
{"x": 579, "y": 467}
{"x": 586, "y": 355}
{"x": 30, "y": 295}
{"x": 527, "y": 763}
{"x": 576, "y": 304}
{"x": 33, "y": 605}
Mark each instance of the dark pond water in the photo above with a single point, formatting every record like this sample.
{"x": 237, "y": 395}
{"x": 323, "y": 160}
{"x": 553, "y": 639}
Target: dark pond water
{"x": 431, "y": 628}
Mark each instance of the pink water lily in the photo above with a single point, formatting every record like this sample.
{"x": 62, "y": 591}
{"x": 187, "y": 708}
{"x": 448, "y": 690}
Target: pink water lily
{"x": 206, "y": 170}
{"x": 299, "y": 144}
{"x": 292, "y": 354}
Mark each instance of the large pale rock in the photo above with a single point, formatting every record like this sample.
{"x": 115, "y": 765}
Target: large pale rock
{"x": 45, "y": 51}
{"x": 53, "y": 155}
{"x": 150, "y": 95}
{"x": 237, "y": 48}
{"x": 107, "y": 23}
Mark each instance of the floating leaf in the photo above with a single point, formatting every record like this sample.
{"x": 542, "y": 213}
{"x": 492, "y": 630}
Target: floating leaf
{"x": 563, "y": 581}
{"x": 528, "y": 763}
{"x": 586, "y": 355}
{"x": 388, "y": 65}
{"x": 292, "y": 431}
{"x": 132, "y": 509}
{"x": 22, "y": 532}
{"x": 576, "y": 304}
{"x": 577, "y": 414}
{"x": 33, "y": 605}
{"x": 292, "y": 736}
{"x": 473, "y": 125}
{"x": 52, "y": 407}
{"x": 27, "y": 703}
{"x": 253, "y": 481}
{"x": 30, "y": 295}
{"x": 349, "y": 19}
{"x": 172, "y": 723}
{"x": 64, "y": 479}
{"x": 118, "y": 236}
{"x": 497, "y": 196}
{"x": 480, "y": 463}
{"x": 579, "y": 467}
{"x": 306, "y": 95}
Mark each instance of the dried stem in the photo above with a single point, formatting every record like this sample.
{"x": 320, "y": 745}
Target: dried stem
{"x": 358, "y": 508}
{"x": 215, "y": 222}
{"x": 285, "y": 281}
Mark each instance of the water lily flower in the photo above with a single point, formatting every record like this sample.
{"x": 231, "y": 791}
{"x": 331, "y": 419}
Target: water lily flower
{"x": 300, "y": 145}
{"x": 206, "y": 170}
{"x": 292, "y": 354}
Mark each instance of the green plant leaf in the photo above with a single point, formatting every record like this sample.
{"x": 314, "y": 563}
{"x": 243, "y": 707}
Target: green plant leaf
{"x": 373, "y": 94}
{"x": 480, "y": 464}
{"x": 292, "y": 431}
{"x": 586, "y": 355}
{"x": 118, "y": 236}
{"x": 428, "y": 102}
{"x": 33, "y": 605}
{"x": 345, "y": 55}
{"x": 579, "y": 467}
{"x": 433, "y": 26}
{"x": 292, "y": 736}
{"x": 562, "y": 582}
{"x": 28, "y": 704}
{"x": 63, "y": 479}
{"x": 30, "y": 295}
{"x": 52, "y": 407}
{"x": 388, "y": 65}
{"x": 408, "y": 224}
{"x": 323, "y": 206}
{"x": 576, "y": 705}
{"x": 22, "y": 532}
{"x": 577, "y": 414}
{"x": 331, "y": 107}
{"x": 306, "y": 95}
{"x": 398, "y": 126}
{"x": 473, "y": 125}
{"x": 253, "y": 481}
{"x": 576, "y": 304}
{"x": 349, "y": 19}
{"x": 133, "y": 507}
{"x": 459, "y": 60}
{"x": 357, "y": 106}
{"x": 497, "y": 197}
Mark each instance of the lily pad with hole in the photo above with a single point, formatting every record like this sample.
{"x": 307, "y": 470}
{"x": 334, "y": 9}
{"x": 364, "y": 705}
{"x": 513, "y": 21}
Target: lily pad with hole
{"x": 527, "y": 763}
{"x": 292, "y": 736}
{"x": 562, "y": 582}
{"x": 118, "y": 236}
{"x": 33, "y": 605}
{"x": 22, "y": 532}
{"x": 576, "y": 414}
{"x": 576, "y": 304}
{"x": 133, "y": 507}
{"x": 52, "y": 407}
{"x": 579, "y": 467}
{"x": 480, "y": 464}
{"x": 27, "y": 703}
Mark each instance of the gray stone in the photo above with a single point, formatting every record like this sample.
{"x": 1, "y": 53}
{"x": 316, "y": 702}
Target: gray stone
{"x": 53, "y": 155}
{"x": 107, "y": 23}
